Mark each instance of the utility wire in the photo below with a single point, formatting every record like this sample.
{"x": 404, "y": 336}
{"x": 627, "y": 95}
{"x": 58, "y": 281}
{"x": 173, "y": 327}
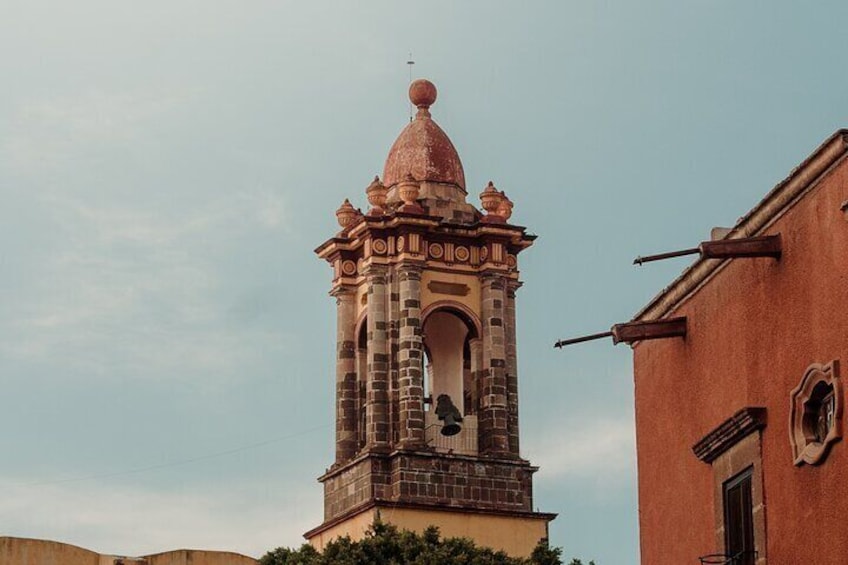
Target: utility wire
{"x": 175, "y": 463}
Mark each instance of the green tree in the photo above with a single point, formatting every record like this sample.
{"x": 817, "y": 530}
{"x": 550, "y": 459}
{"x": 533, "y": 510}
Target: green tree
{"x": 384, "y": 544}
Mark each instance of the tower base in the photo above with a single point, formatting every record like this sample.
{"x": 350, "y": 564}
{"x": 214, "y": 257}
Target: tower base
{"x": 515, "y": 533}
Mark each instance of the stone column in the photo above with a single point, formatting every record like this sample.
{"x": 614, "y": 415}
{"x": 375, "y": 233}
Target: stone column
{"x": 493, "y": 417}
{"x": 377, "y": 432}
{"x": 410, "y": 358}
{"x": 475, "y": 347}
{"x": 346, "y": 385}
{"x": 393, "y": 317}
{"x": 511, "y": 367}
{"x": 361, "y": 393}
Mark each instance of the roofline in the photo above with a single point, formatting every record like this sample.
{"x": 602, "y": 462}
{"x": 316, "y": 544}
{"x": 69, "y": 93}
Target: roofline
{"x": 379, "y": 503}
{"x": 804, "y": 177}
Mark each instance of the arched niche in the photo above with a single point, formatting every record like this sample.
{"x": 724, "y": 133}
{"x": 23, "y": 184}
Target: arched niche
{"x": 816, "y": 413}
{"x": 453, "y": 354}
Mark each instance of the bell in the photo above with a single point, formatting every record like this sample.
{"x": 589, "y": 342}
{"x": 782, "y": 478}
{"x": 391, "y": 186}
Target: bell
{"x": 447, "y": 412}
{"x": 451, "y": 427}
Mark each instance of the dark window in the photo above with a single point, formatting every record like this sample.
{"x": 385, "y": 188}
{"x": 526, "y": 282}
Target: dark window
{"x": 739, "y": 519}
{"x": 820, "y": 412}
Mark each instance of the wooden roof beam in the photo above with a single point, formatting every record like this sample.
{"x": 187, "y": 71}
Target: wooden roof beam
{"x": 759, "y": 246}
{"x": 630, "y": 332}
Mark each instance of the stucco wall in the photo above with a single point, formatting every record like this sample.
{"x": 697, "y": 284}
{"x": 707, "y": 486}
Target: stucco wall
{"x": 516, "y": 535}
{"x": 24, "y": 551}
{"x": 198, "y": 557}
{"x": 752, "y": 331}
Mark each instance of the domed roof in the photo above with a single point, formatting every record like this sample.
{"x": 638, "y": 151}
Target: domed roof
{"x": 422, "y": 149}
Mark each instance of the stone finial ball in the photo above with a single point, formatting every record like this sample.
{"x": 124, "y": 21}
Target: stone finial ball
{"x": 422, "y": 93}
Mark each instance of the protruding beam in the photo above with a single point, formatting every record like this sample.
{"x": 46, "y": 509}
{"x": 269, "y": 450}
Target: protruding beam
{"x": 563, "y": 342}
{"x": 652, "y": 329}
{"x": 630, "y": 332}
{"x": 660, "y": 256}
{"x": 759, "y": 246}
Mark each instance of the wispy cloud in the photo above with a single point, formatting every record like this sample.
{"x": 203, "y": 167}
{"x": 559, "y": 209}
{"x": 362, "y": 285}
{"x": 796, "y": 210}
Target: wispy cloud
{"x": 135, "y": 521}
{"x": 588, "y": 450}
{"x": 142, "y": 288}
{"x": 48, "y": 136}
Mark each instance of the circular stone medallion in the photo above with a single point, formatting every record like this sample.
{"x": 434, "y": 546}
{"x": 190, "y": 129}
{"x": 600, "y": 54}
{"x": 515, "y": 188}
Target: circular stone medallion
{"x": 379, "y": 246}
{"x": 436, "y": 250}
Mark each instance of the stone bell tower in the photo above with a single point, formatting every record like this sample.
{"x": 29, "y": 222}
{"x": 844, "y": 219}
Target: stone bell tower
{"x": 426, "y": 372}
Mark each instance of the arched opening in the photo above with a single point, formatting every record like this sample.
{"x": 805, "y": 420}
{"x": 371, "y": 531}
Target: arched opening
{"x": 453, "y": 355}
{"x": 444, "y": 339}
{"x": 819, "y": 413}
{"x": 361, "y": 379}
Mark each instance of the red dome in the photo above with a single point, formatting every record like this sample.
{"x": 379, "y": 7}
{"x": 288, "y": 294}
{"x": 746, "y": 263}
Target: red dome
{"x": 422, "y": 149}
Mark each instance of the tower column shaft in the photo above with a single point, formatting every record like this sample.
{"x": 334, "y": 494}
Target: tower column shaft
{"x": 475, "y": 347}
{"x": 493, "y": 418}
{"x": 346, "y": 385}
{"x": 410, "y": 358}
{"x": 377, "y": 428}
{"x": 511, "y": 369}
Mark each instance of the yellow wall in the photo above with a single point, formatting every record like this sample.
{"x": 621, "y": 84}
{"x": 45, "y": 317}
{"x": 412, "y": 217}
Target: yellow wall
{"x": 355, "y": 527}
{"x": 471, "y": 300}
{"x": 428, "y": 297}
{"x": 517, "y": 536}
{"x": 198, "y": 557}
{"x": 23, "y": 551}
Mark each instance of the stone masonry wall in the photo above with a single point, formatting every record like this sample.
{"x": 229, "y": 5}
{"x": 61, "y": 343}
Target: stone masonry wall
{"x": 461, "y": 482}
{"x": 352, "y": 486}
{"x": 431, "y": 479}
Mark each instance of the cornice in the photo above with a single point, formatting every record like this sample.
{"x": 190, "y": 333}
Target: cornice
{"x": 379, "y": 503}
{"x": 394, "y": 453}
{"x": 783, "y": 196}
{"x": 353, "y": 237}
{"x": 729, "y": 432}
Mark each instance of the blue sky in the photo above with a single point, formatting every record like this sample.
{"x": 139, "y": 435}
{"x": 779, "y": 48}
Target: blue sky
{"x": 167, "y": 168}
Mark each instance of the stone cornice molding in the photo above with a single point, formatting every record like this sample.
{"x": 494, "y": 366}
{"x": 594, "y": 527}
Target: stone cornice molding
{"x": 512, "y": 287}
{"x": 728, "y": 433}
{"x": 379, "y": 503}
{"x": 353, "y": 238}
{"x": 387, "y": 454}
{"x": 411, "y": 267}
{"x": 343, "y": 291}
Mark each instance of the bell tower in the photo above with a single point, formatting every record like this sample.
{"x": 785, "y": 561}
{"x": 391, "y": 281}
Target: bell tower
{"x": 426, "y": 366}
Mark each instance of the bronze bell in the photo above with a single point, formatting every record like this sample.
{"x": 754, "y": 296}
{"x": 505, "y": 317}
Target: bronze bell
{"x": 449, "y": 413}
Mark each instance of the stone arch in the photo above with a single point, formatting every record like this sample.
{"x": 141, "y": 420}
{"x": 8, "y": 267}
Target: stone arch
{"x": 464, "y": 312}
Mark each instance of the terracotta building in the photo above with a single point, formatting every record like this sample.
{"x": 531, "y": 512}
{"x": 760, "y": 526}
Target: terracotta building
{"x": 739, "y": 421}
{"x": 426, "y": 375}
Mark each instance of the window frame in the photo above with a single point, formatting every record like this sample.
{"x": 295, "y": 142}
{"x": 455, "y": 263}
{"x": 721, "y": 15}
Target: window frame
{"x": 805, "y": 405}
{"x": 744, "y": 483}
